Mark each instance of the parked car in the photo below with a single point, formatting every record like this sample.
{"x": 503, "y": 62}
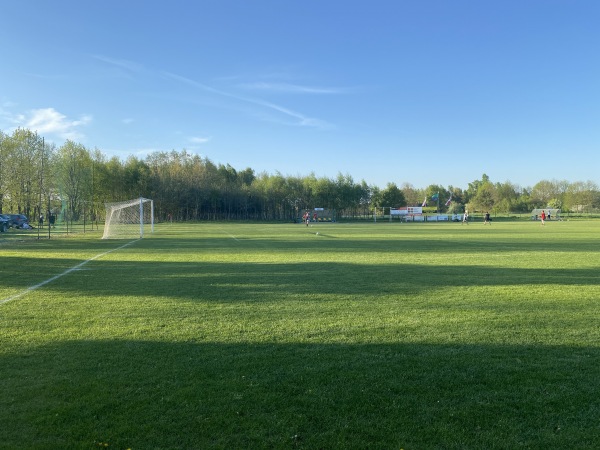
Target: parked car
{"x": 18, "y": 220}
{"x": 4, "y": 223}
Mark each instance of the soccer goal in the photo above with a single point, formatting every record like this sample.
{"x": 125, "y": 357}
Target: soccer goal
{"x": 551, "y": 213}
{"x": 129, "y": 219}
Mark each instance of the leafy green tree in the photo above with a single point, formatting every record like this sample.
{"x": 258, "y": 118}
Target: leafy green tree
{"x": 366, "y": 194}
{"x": 436, "y": 195}
{"x": 471, "y": 191}
{"x": 348, "y": 197}
{"x": 74, "y": 176}
{"x": 5, "y": 152}
{"x": 542, "y": 192}
{"x": 247, "y": 176}
{"x": 506, "y": 195}
{"x": 137, "y": 178}
{"x": 392, "y": 196}
{"x": 457, "y": 197}
{"x": 189, "y": 187}
{"x": 562, "y": 187}
{"x": 411, "y": 194}
{"x": 582, "y": 196}
{"x": 25, "y": 165}
{"x": 456, "y": 208}
{"x": 113, "y": 174}
{"x": 376, "y": 196}
{"x": 484, "y": 198}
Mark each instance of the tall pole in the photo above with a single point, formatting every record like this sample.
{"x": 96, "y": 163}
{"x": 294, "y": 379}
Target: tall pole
{"x": 49, "y": 214}
{"x": 93, "y": 204}
{"x": 141, "y": 217}
{"x": 41, "y": 187}
{"x": 152, "y": 216}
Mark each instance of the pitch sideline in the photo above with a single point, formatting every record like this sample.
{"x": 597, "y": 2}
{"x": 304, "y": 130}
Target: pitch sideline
{"x": 66, "y": 272}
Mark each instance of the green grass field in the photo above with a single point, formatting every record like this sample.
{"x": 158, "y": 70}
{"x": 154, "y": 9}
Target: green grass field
{"x": 244, "y": 336}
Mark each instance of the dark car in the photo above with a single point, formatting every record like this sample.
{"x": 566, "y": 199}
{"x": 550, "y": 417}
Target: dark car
{"x": 4, "y": 222}
{"x": 18, "y": 220}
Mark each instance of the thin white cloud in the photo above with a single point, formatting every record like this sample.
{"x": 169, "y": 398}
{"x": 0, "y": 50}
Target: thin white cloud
{"x": 143, "y": 152}
{"x": 137, "y": 152}
{"x": 121, "y": 63}
{"x": 193, "y": 83}
{"x": 50, "y": 121}
{"x": 127, "y": 121}
{"x": 299, "y": 118}
{"x": 7, "y": 104}
{"x": 290, "y": 88}
{"x": 198, "y": 140}
{"x": 7, "y": 117}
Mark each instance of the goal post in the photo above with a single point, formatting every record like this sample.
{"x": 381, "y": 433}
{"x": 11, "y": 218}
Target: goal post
{"x": 129, "y": 219}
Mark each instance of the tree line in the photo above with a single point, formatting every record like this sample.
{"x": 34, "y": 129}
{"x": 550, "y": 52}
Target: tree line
{"x": 39, "y": 178}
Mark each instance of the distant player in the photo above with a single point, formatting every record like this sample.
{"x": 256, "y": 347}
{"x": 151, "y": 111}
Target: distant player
{"x": 487, "y": 218}
{"x": 306, "y": 218}
{"x": 466, "y": 217}
{"x": 543, "y": 217}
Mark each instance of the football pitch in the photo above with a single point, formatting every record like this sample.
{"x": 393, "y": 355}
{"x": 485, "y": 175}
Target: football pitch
{"x": 333, "y": 336}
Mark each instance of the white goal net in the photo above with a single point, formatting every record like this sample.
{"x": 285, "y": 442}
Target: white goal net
{"x": 129, "y": 219}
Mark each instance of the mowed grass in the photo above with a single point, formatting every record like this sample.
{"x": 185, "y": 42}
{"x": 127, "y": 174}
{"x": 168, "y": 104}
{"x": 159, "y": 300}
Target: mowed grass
{"x": 388, "y": 336}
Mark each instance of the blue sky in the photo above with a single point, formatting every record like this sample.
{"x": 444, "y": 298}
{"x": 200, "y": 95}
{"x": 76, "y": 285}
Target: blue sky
{"x": 423, "y": 92}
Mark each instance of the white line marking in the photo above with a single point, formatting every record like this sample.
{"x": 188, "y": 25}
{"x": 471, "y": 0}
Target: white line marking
{"x": 230, "y": 235}
{"x": 66, "y": 272}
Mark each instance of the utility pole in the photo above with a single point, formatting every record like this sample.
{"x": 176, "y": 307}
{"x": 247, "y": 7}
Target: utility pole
{"x": 41, "y": 188}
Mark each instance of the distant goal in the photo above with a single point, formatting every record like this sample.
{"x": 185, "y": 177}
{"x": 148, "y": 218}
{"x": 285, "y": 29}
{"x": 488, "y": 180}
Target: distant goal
{"x": 129, "y": 219}
{"x": 551, "y": 213}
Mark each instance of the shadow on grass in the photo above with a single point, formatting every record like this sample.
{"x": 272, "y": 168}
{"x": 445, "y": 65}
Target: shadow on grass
{"x": 198, "y": 280}
{"x": 479, "y": 243}
{"x": 133, "y": 394}
{"x": 246, "y": 281}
